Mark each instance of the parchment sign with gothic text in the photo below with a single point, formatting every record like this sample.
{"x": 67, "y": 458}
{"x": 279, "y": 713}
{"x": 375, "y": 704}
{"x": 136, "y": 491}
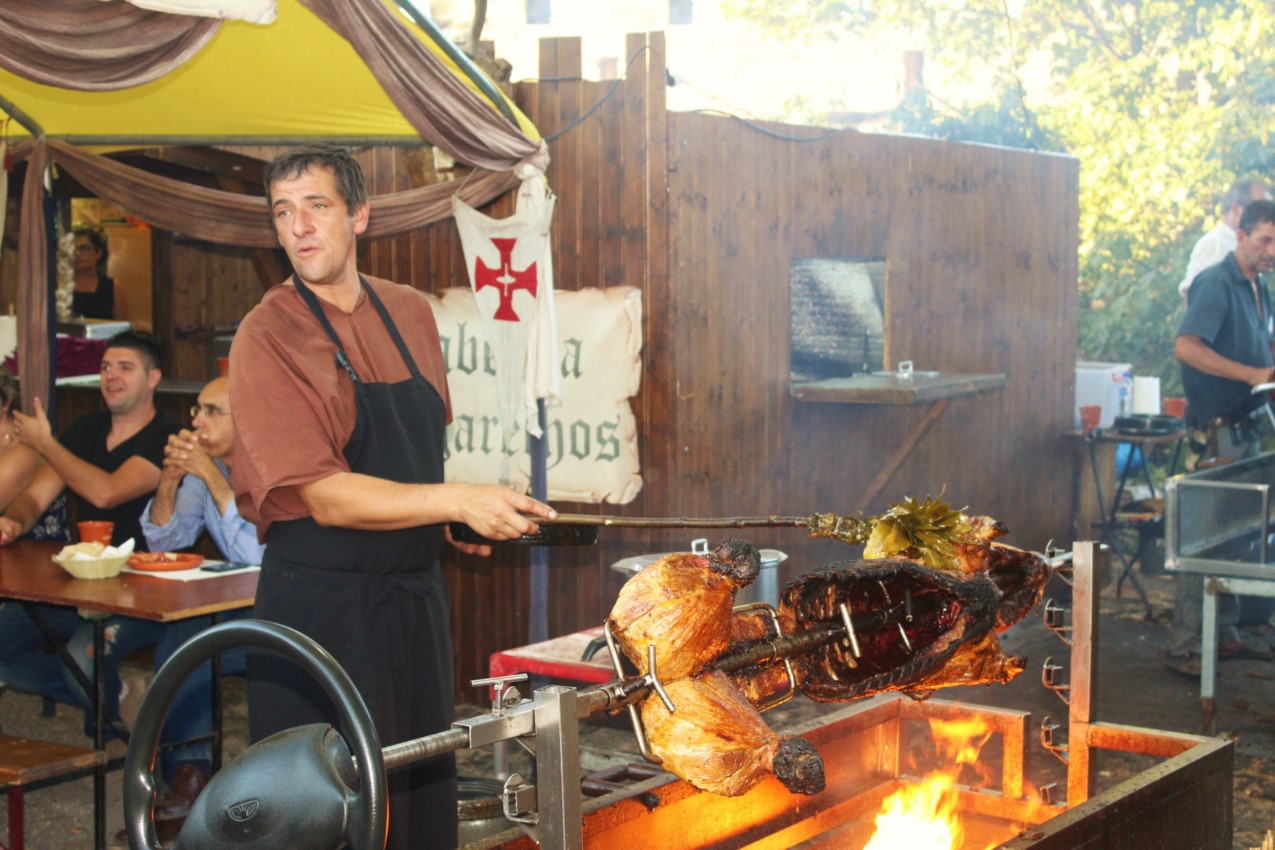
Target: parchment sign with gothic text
{"x": 591, "y": 435}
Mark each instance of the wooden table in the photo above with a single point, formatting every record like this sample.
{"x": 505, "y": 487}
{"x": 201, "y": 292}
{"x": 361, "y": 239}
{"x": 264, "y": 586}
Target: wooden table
{"x": 28, "y": 575}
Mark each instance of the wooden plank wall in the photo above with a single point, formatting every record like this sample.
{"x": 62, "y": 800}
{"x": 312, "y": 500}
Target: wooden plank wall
{"x": 704, "y": 214}
{"x": 980, "y": 248}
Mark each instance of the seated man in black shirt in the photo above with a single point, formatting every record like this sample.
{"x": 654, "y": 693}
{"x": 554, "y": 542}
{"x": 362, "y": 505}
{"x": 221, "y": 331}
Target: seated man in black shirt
{"x": 110, "y": 461}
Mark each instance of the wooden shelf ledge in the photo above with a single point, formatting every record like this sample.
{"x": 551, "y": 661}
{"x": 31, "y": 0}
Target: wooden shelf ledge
{"x": 877, "y": 389}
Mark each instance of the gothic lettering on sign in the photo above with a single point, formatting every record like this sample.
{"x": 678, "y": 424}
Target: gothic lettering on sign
{"x": 608, "y": 443}
{"x": 571, "y": 350}
{"x": 462, "y": 354}
{"x": 590, "y": 440}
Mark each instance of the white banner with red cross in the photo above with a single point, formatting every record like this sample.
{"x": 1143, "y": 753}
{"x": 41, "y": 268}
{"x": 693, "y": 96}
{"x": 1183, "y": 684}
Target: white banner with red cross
{"x": 511, "y": 273}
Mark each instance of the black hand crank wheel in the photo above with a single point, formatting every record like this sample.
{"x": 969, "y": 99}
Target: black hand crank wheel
{"x": 298, "y": 787}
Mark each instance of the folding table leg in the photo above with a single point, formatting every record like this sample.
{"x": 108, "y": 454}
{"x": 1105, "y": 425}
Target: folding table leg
{"x": 1208, "y": 656}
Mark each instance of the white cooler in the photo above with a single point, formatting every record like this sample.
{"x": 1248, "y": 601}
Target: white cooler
{"x": 1103, "y": 384}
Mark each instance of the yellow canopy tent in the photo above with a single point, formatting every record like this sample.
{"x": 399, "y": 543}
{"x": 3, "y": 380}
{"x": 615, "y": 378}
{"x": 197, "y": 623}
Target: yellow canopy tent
{"x": 294, "y": 79}
{"x": 353, "y": 71}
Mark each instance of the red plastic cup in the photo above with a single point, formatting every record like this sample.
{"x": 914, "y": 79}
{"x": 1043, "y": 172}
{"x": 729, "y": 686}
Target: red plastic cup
{"x": 96, "y": 531}
{"x": 1089, "y": 416}
{"x": 1175, "y": 407}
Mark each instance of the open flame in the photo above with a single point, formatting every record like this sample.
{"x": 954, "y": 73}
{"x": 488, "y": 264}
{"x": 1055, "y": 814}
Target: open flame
{"x": 924, "y": 816}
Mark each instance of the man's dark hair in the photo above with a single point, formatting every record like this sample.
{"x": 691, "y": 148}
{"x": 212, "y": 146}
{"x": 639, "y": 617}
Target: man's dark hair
{"x": 98, "y": 239}
{"x": 1256, "y": 213}
{"x": 293, "y": 163}
{"x": 141, "y": 342}
{"x": 1242, "y": 192}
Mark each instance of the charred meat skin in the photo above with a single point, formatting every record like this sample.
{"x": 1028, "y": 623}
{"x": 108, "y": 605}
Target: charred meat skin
{"x": 950, "y": 636}
{"x": 1021, "y": 577}
{"x": 918, "y": 629}
{"x": 717, "y": 741}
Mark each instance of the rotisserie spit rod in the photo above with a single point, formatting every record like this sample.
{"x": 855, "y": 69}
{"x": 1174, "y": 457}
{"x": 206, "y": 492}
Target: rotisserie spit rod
{"x": 619, "y": 693}
{"x": 630, "y": 690}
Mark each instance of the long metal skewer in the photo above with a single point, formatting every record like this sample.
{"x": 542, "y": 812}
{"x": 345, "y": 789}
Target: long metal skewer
{"x": 677, "y": 522}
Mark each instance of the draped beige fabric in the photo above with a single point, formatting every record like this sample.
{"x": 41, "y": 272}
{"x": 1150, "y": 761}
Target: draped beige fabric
{"x": 34, "y": 296}
{"x": 89, "y": 45}
{"x": 433, "y": 99}
{"x": 209, "y": 214}
{"x": 229, "y": 218}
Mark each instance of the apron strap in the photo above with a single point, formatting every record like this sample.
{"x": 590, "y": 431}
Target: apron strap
{"x": 313, "y": 303}
{"x": 393, "y": 329}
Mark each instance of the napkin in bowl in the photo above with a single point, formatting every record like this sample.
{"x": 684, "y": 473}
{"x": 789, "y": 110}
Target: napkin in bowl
{"x": 96, "y": 551}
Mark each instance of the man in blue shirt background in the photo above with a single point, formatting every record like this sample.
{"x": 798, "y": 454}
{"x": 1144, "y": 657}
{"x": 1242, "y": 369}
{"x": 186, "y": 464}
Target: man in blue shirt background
{"x": 194, "y": 496}
{"x": 194, "y": 492}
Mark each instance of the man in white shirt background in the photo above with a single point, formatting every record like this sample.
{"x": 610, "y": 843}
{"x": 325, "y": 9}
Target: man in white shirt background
{"x": 1213, "y": 246}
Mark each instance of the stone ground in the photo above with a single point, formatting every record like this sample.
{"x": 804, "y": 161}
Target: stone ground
{"x": 1134, "y": 689}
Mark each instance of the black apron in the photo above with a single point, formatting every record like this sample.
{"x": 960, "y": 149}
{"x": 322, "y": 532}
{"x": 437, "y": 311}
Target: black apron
{"x": 375, "y": 599}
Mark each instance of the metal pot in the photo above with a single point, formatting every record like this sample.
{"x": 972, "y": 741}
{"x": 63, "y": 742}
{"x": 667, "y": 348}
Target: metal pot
{"x": 764, "y": 589}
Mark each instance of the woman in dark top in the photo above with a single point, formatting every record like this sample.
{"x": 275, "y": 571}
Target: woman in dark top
{"x": 96, "y": 296}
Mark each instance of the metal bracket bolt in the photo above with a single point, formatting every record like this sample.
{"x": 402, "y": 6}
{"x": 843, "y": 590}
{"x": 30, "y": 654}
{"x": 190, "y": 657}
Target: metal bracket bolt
{"x": 503, "y": 694}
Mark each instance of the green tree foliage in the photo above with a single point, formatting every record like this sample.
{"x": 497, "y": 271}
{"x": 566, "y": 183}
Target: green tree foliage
{"x": 1164, "y": 103}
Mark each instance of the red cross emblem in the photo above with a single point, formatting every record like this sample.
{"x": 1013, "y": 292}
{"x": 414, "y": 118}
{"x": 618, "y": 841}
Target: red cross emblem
{"x": 508, "y": 279}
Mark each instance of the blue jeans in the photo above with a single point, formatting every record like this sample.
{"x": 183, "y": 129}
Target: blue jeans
{"x": 26, "y": 665}
{"x": 191, "y": 712}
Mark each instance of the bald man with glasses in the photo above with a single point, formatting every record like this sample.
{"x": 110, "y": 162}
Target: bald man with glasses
{"x": 194, "y": 491}
{"x": 194, "y": 496}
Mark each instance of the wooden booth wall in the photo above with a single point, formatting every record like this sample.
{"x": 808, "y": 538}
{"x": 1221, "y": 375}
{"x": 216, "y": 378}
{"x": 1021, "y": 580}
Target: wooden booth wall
{"x": 704, "y": 214}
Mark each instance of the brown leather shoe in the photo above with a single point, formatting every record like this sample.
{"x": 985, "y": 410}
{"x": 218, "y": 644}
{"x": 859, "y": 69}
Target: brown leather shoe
{"x": 181, "y": 795}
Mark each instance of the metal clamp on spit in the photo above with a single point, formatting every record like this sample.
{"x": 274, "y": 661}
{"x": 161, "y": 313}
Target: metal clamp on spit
{"x": 1047, "y": 740}
{"x": 1056, "y": 620}
{"x": 1049, "y": 678}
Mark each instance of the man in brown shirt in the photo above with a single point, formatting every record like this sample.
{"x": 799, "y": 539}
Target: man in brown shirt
{"x": 340, "y": 398}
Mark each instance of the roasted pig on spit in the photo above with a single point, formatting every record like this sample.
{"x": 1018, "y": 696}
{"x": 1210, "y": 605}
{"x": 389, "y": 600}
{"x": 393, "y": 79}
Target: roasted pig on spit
{"x": 915, "y": 629}
{"x": 915, "y": 623}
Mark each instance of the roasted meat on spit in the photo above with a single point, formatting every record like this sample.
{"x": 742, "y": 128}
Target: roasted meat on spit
{"x": 915, "y": 629}
{"x": 852, "y": 629}
{"x": 681, "y": 605}
{"x": 716, "y": 739}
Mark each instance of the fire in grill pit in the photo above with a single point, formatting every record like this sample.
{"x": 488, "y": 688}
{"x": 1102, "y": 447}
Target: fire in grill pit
{"x": 927, "y": 814}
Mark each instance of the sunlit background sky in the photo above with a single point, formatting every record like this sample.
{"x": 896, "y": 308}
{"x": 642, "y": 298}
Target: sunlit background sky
{"x": 716, "y": 61}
